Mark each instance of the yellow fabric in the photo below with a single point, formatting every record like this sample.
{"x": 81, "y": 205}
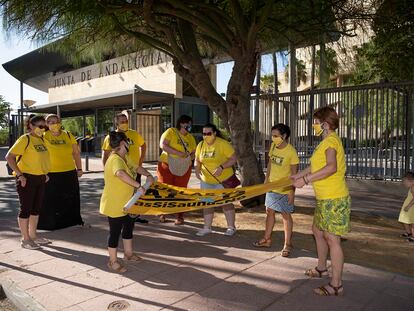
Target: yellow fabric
{"x": 35, "y": 158}
{"x": 334, "y": 186}
{"x": 212, "y": 156}
{"x": 407, "y": 217}
{"x": 116, "y": 192}
{"x": 175, "y": 142}
{"x": 167, "y": 199}
{"x": 135, "y": 142}
{"x": 60, "y": 151}
{"x": 280, "y": 162}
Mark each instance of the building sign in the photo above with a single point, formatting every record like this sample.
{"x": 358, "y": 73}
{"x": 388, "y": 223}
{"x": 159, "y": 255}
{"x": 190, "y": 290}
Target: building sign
{"x": 114, "y": 66}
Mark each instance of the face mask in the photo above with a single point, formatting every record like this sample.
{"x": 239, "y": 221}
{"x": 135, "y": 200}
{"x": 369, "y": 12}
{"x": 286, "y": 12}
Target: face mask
{"x": 123, "y": 127}
{"x": 317, "y": 128}
{"x": 277, "y": 141}
{"x": 208, "y": 139}
{"x": 39, "y": 132}
{"x": 55, "y": 127}
{"x": 188, "y": 128}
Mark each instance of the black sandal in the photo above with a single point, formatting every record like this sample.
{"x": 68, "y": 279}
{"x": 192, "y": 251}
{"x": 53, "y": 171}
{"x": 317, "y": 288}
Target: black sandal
{"x": 406, "y": 235}
{"x": 323, "y": 291}
{"x": 319, "y": 273}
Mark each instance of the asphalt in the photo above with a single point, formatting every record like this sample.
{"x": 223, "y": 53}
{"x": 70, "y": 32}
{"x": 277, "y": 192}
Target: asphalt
{"x": 180, "y": 271}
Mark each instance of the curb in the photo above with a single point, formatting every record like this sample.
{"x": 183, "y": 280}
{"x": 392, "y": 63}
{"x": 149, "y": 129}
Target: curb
{"x": 22, "y": 300}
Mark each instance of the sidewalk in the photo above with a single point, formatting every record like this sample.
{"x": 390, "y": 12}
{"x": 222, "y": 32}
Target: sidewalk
{"x": 180, "y": 271}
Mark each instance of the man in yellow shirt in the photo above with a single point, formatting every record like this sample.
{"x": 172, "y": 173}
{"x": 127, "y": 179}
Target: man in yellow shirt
{"x": 137, "y": 147}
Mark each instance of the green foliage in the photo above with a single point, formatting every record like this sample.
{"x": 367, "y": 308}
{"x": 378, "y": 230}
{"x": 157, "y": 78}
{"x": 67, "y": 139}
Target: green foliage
{"x": 4, "y": 111}
{"x": 301, "y": 73}
{"x": 4, "y": 137}
{"x": 331, "y": 62}
{"x": 389, "y": 56}
{"x": 75, "y": 125}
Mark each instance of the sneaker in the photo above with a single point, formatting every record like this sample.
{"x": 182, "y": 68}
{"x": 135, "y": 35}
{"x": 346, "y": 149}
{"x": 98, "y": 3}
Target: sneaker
{"x": 30, "y": 244}
{"x": 410, "y": 240}
{"x": 42, "y": 241}
{"x": 406, "y": 235}
{"x": 230, "y": 232}
{"x": 203, "y": 232}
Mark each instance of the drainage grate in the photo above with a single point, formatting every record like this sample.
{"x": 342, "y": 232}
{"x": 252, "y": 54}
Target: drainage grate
{"x": 118, "y": 305}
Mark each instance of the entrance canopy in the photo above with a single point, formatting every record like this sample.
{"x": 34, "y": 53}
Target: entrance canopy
{"x": 87, "y": 105}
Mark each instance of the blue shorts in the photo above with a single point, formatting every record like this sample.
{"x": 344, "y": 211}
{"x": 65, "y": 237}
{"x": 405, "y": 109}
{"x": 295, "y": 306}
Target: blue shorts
{"x": 278, "y": 202}
{"x": 204, "y": 185}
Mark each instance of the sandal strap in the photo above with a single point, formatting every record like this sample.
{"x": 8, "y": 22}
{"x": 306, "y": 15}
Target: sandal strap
{"x": 324, "y": 291}
{"x": 336, "y": 289}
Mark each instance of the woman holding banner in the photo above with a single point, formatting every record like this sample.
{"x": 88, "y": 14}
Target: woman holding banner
{"x": 333, "y": 203}
{"x": 175, "y": 163}
{"x": 119, "y": 187}
{"x": 283, "y": 162}
{"x": 214, "y": 160}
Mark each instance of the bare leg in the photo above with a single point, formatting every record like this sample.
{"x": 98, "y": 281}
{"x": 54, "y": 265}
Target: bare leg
{"x": 33, "y": 220}
{"x": 408, "y": 228}
{"x": 337, "y": 257}
{"x": 128, "y": 251}
{"x": 112, "y": 254}
{"x": 208, "y": 217}
{"x": 322, "y": 248}
{"x": 230, "y": 215}
{"x": 24, "y": 228}
{"x": 288, "y": 228}
{"x": 270, "y": 223}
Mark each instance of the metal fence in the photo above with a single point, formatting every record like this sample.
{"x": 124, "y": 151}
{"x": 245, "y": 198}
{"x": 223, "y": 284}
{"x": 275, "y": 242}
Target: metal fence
{"x": 376, "y": 125}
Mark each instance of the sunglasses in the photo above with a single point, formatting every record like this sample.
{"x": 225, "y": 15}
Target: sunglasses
{"x": 208, "y": 134}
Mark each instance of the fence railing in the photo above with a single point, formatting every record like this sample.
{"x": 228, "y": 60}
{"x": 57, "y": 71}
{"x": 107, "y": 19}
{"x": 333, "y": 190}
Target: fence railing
{"x": 376, "y": 125}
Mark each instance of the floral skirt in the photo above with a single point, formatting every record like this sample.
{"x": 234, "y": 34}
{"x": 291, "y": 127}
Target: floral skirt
{"x": 333, "y": 215}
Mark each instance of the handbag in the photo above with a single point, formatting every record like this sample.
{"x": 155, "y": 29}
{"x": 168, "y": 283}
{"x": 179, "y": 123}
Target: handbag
{"x": 179, "y": 166}
{"x": 231, "y": 182}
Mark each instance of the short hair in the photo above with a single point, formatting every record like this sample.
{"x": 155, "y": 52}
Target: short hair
{"x": 115, "y": 139}
{"x": 214, "y": 128}
{"x": 51, "y": 116}
{"x": 282, "y": 128}
{"x": 328, "y": 115}
{"x": 409, "y": 175}
{"x": 183, "y": 119}
{"x": 33, "y": 119}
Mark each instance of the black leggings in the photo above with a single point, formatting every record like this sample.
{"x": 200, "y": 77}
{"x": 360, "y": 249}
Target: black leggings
{"x": 118, "y": 224}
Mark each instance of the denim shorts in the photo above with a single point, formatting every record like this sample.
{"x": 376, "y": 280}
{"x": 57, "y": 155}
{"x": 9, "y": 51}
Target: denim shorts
{"x": 204, "y": 185}
{"x": 278, "y": 202}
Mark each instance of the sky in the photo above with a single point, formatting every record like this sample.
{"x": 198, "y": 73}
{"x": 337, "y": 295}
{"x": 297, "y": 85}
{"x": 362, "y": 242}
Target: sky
{"x": 13, "y": 46}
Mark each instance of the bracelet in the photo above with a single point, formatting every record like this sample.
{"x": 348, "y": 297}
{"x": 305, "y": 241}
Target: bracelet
{"x": 79, "y": 169}
{"x": 222, "y": 167}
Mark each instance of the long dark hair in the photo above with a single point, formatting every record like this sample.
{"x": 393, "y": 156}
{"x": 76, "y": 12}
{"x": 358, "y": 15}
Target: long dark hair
{"x": 33, "y": 119}
{"x": 283, "y": 129}
{"x": 183, "y": 119}
{"x": 214, "y": 128}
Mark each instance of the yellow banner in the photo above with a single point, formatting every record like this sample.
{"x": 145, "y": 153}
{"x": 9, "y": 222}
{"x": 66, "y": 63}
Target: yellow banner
{"x": 165, "y": 199}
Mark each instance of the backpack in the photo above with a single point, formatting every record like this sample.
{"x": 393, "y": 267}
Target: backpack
{"x": 9, "y": 169}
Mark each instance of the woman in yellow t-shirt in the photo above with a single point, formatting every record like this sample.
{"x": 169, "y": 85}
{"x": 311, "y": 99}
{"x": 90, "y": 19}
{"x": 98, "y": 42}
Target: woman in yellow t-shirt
{"x": 214, "y": 160}
{"x": 333, "y": 203}
{"x": 29, "y": 159}
{"x": 177, "y": 143}
{"x": 119, "y": 187}
{"x": 283, "y": 162}
{"x": 62, "y": 198}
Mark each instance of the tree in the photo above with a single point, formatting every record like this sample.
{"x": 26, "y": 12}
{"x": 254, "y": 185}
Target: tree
{"x": 301, "y": 73}
{"x": 191, "y": 32}
{"x": 389, "y": 56}
{"x": 4, "y": 120}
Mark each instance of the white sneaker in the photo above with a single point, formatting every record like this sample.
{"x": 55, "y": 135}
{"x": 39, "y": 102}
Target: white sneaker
{"x": 42, "y": 241}
{"x": 203, "y": 232}
{"x": 230, "y": 232}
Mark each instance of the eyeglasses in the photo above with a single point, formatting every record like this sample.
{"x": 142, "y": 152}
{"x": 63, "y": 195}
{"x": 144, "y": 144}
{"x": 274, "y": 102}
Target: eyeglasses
{"x": 208, "y": 134}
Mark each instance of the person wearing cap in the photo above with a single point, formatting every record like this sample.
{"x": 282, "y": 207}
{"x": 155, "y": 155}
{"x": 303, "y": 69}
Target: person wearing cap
{"x": 29, "y": 159}
{"x": 137, "y": 147}
{"x": 63, "y": 186}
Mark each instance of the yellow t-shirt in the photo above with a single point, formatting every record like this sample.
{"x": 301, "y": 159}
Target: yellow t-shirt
{"x": 212, "y": 156}
{"x": 175, "y": 142}
{"x": 135, "y": 142}
{"x": 334, "y": 186}
{"x": 280, "y": 162}
{"x": 60, "y": 151}
{"x": 116, "y": 192}
{"x": 34, "y": 159}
